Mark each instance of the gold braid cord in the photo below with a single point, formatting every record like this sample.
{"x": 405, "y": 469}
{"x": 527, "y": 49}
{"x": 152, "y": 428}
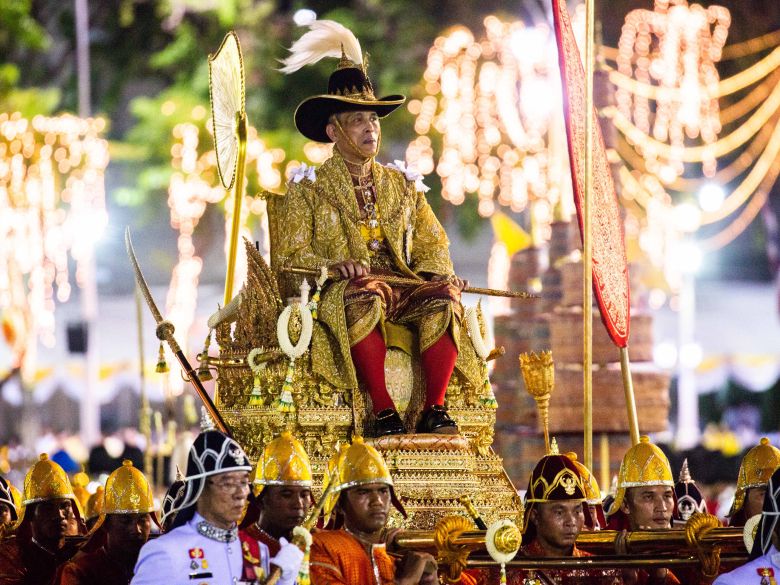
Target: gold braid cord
{"x": 453, "y": 557}
{"x": 696, "y": 527}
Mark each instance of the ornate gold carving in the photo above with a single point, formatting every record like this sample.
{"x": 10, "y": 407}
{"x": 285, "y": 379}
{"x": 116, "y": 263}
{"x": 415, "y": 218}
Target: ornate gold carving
{"x": 697, "y": 526}
{"x": 539, "y": 377}
{"x": 452, "y": 557}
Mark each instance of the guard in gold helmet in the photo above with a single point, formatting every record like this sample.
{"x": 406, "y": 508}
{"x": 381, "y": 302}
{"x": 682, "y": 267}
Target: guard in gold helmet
{"x": 644, "y": 501}
{"x": 356, "y": 553}
{"x": 32, "y": 554}
{"x": 124, "y": 525}
{"x": 594, "y": 519}
{"x": 281, "y": 494}
{"x": 80, "y": 481}
{"x": 757, "y": 467}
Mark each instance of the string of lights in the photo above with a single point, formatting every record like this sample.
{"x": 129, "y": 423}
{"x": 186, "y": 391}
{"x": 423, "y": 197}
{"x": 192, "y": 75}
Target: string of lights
{"x": 52, "y": 202}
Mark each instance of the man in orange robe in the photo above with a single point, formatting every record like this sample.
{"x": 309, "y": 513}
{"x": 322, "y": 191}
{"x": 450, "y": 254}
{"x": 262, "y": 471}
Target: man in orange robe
{"x": 357, "y": 553}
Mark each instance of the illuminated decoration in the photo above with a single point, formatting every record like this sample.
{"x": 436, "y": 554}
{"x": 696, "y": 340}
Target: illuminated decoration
{"x": 673, "y": 50}
{"x": 193, "y": 186}
{"x": 52, "y": 203}
{"x": 495, "y": 101}
{"x": 680, "y": 138}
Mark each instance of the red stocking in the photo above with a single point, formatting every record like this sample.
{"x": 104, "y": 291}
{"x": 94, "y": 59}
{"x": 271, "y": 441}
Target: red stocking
{"x": 438, "y": 361}
{"x": 368, "y": 356}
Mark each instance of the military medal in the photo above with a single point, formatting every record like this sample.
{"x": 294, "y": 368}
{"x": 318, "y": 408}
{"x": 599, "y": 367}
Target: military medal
{"x": 767, "y": 575}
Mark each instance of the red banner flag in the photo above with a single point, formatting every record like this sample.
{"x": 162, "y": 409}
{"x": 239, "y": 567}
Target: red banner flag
{"x": 610, "y": 269}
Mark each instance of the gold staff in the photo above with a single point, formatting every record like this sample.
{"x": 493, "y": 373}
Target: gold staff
{"x": 403, "y": 281}
{"x": 165, "y": 331}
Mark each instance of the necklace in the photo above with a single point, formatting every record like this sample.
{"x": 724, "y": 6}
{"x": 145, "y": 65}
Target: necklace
{"x": 363, "y": 183}
{"x": 219, "y": 534}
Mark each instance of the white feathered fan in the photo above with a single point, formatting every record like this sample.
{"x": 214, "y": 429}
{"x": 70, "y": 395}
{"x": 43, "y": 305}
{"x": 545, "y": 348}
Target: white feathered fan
{"x": 226, "y": 90}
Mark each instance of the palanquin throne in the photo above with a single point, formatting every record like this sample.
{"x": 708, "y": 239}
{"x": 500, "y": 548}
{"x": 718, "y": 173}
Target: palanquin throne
{"x": 431, "y": 471}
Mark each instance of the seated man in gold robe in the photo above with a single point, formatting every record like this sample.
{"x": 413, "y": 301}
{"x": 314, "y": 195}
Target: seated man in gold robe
{"x": 363, "y": 219}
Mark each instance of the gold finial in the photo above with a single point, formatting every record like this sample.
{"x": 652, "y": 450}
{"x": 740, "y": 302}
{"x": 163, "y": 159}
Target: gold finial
{"x": 539, "y": 377}
{"x": 345, "y": 62}
{"x": 554, "y": 447}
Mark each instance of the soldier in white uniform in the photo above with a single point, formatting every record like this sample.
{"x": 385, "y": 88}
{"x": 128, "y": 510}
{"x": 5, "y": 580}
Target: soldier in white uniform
{"x": 204, "y": 546}
{"x": 764, "y": 566}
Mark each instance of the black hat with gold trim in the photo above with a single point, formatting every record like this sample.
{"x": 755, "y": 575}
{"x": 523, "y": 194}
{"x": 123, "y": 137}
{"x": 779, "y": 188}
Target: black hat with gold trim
{"x": 349, "y": 87}
{"x": 554, "y": 479}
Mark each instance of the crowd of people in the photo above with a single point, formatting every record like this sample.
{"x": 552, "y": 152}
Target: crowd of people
{"x": 227, "y": 521}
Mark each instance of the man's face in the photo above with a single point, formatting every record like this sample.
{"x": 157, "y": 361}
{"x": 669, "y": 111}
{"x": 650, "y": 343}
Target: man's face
{"x": 754, "y": 501}
{"x": 558, "y": 524}
{"x": 128, "y": 532}
{"x": 224, "y": 497}
{"x": 51, "y": 519}
{"x": 649, "y": 508}
{"x": 5, "y": 514}
{"x": 362, "y": 128}
{"x": 284, "y": 507}
{"x": 366, "y": 507}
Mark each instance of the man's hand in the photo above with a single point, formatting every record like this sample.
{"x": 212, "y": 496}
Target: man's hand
{"x": 461, "y": 284}
{"x": 417, "y": 568}
{"x": 350, "y": 269}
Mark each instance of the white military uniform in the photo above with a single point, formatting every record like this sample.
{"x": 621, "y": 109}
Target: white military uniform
{"x": 187, "y": 555}
{"x": 751, "y": 573}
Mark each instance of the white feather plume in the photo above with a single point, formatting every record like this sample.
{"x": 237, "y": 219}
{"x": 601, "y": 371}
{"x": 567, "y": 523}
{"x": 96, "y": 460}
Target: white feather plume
{"x": 325, "y": 38}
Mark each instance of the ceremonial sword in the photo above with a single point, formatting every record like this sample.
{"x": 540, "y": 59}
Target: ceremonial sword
{"x": 165, "y": 331}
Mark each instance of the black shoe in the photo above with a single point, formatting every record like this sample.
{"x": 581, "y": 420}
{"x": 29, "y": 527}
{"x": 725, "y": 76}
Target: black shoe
{"x": 436, "y": 420}
{"x": 388, "y": 422}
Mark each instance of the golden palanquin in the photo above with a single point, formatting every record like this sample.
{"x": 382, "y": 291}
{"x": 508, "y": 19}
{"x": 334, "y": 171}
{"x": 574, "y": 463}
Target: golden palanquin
{"x": 430, "y": 471}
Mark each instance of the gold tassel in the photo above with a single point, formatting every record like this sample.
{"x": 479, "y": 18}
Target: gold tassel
{"x": 256, "y": 397}
{"x": 162, "y": 365}
{"x": 204, "y": 373}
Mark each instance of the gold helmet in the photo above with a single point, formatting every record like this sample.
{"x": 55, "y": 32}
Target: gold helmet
{"x": 589, "y": 483}
{"x": 45, "y": 481}
{"x": 644, "y": 464}
{"x": 95, "y": 504}
{"x": 284, "y": 462}
{"x": 357, "y": 464}
{"x": 128, "y": 491}
{"x": 756, "y": 469}
{"x": 80, "y": 482}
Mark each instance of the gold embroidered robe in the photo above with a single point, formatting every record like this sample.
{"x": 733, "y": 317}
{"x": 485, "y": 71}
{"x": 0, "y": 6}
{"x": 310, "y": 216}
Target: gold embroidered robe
{"x": 319, "y": 225}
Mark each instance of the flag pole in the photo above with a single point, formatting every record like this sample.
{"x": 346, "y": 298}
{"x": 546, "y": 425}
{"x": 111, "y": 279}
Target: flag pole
{"x": 587, "y": 249}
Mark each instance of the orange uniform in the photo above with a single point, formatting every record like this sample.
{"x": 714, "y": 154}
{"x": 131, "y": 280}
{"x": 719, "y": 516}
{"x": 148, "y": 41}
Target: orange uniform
{"x": 339, "y": 558}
